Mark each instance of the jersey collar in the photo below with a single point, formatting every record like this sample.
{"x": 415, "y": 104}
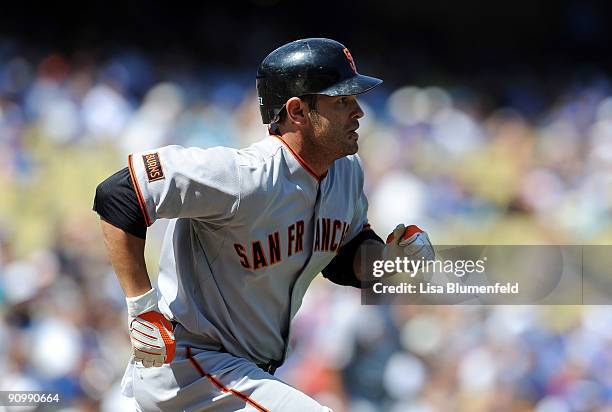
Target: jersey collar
{"x": 298, "y": 158}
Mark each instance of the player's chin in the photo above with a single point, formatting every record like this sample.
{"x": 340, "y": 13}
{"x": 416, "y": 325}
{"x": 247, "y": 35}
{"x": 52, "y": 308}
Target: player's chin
{"x": 348, "y": 145}
{"x": 352, "y": 148}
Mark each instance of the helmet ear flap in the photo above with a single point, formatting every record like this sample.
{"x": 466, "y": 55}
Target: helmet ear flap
{"x": 278, "y": 116}
{"x": 271, "y": 115}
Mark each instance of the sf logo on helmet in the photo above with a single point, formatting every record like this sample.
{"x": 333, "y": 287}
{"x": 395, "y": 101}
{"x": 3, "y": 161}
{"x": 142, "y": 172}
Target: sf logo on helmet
{"x": 347, "y": 53}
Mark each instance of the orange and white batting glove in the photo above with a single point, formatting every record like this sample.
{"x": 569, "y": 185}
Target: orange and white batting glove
{"x": 411, "y": 242}
{"x": 153, "y": 342}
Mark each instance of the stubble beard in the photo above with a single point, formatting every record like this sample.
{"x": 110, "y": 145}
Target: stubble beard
{"x": 346, "y": 144}
{"x": 332, "y": 141}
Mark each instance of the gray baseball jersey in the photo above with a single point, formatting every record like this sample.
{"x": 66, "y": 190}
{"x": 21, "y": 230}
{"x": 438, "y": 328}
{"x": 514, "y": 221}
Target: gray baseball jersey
{"x": 250, "y": 230}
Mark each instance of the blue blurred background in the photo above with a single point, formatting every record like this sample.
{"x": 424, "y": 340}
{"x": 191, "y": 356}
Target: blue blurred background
{"x": 493, "y": 126}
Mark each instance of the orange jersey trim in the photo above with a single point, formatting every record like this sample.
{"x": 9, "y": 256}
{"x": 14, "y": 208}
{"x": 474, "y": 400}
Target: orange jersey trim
{"x": 222, "y": 387}
{"x": 141, "y": 201}
{"x": 301, "y": 161}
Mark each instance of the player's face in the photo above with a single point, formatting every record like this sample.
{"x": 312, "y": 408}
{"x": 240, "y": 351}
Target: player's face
{"x": 335, "y": 122}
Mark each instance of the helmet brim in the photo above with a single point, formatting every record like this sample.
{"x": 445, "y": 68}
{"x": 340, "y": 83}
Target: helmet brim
{"x": 355, "y": 85}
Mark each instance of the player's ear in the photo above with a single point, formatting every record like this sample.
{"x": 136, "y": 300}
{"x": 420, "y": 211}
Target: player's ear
{"x": 296, "y": 111}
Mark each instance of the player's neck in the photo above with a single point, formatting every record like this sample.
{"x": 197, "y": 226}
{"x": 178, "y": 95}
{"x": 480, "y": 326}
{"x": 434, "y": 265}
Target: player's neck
{"x": 319, "y": 161}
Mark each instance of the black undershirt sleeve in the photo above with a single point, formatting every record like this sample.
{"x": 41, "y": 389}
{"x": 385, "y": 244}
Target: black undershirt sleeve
{"x": 340, "y": 269}
{"x": 116, "y": 202}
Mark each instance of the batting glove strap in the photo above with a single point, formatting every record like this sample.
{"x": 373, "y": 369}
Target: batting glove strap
{"x": 147, "y": 302}
{"x": 152, "y": 339}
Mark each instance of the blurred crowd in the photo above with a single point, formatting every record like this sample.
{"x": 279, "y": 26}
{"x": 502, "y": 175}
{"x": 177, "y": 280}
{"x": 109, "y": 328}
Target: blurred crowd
{"x": 440, "y": 157}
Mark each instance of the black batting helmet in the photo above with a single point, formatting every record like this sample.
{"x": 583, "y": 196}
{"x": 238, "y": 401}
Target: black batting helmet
{"x": 308, "y": 66}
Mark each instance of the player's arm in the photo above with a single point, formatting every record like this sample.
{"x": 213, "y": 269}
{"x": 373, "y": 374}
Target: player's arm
{"x": 365, "y": 255}
{"x": 353, "y": 264}
{"x": 346, "y": 268}
{"x": 124, "y": 231}
{"x": 126, "y": 253}
{"x": 170, "y": 182}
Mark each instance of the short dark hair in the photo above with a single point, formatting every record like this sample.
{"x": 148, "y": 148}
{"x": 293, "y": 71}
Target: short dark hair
{"x": 310, "y": 99}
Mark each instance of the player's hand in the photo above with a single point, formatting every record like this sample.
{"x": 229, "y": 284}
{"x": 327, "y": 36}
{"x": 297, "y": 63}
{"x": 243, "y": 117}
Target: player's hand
{"x": 151, "y": 334}
{"x": 411, "y": 242}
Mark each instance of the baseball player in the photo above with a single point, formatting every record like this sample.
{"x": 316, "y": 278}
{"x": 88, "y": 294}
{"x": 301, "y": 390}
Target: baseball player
{"x": 249, "y": 230}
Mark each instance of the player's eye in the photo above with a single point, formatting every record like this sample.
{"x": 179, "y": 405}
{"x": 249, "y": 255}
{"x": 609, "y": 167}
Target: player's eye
{"x": 343, "y": 100}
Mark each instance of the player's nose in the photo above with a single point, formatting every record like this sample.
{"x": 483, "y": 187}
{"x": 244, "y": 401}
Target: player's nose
{"x": 358, "y": 111}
